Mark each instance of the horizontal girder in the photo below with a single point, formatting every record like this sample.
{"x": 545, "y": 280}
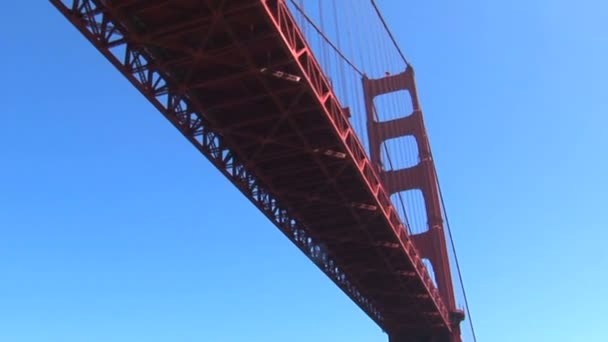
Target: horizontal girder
{"x": 238, "y": 80}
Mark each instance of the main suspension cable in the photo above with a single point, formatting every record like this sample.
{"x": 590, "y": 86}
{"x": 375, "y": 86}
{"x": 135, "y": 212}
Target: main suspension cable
{"x": 452, "y": 244}
{"x": 322, "y": 34}
{"x": 390, "y": 34}
{"x": 464, "y": 292}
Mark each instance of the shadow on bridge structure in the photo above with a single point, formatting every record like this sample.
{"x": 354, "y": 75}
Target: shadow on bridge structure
{"x": 314, "y": 116}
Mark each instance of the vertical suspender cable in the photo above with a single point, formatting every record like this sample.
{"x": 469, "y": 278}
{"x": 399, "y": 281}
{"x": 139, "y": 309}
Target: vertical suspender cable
{"x": 388, "y": 31}
{"x": 452, "y": 244}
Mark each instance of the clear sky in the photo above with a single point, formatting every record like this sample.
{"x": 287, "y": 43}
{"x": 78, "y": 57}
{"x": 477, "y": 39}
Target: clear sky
{"x": 113, "y": 228}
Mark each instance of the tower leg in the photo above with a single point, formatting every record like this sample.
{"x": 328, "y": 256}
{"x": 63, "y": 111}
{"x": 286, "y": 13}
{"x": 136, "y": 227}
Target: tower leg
{"x": 431, "y": 244}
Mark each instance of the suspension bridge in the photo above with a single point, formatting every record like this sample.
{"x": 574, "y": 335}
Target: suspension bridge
{"x": 314, "y": 116}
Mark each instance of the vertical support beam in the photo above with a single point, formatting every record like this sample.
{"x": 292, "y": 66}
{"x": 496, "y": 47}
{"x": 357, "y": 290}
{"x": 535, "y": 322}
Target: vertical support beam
{"x": 432, "y": 243}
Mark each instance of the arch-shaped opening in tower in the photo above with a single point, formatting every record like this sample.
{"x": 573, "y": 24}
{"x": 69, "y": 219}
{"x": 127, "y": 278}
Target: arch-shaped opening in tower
{"x": 412, "y": 210}
{"x": 393, "y": 105}
{"x": 399, "y": 153}
{"x": 429, "y": 268}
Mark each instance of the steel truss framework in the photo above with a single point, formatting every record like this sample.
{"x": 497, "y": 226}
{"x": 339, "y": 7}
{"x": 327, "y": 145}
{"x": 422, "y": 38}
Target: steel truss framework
{"x": 367, "y": 254}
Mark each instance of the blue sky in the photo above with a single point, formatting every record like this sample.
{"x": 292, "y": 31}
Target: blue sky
{"x": 114, "y": 228}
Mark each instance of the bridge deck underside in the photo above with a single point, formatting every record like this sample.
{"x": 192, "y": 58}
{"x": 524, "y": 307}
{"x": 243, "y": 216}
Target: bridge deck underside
{"x": 223, "y": 55}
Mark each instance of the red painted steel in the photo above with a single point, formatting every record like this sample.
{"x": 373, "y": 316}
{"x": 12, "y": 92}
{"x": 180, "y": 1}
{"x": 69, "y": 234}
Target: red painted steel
{"x": 431, "y": 244}
{"x": 239, "y": 81}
